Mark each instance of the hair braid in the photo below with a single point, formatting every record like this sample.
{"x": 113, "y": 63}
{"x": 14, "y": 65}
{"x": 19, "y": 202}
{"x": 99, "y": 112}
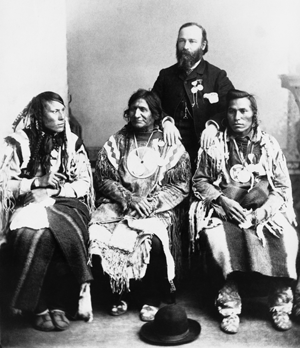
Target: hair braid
{"x": 35, "y": 145}
{"x": 32, "y": 116}
{"x": 64, "y": 153}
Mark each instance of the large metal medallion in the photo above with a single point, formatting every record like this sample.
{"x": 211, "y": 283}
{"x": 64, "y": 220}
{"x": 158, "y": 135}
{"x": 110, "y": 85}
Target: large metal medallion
{"x": 143, "y": 162}
{"x": 239, "y": 173}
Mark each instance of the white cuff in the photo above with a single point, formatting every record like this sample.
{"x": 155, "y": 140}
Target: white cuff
{"x": 25, "y": 185}
{"x": 167, "y": 118}
{"x": 209, "y": 122}
{"x": 66, "y": 190}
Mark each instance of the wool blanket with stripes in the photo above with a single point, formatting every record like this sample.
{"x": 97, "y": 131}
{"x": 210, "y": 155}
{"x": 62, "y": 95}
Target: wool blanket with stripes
{"x": 234, "y": 249}
{"x": 32, "y": 250}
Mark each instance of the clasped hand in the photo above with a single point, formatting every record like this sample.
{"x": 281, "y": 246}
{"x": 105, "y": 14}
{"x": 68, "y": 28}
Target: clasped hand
{"x": 235, "y": 211}
{"x": 51, "y": 179}
{"x": 141, "y": 206}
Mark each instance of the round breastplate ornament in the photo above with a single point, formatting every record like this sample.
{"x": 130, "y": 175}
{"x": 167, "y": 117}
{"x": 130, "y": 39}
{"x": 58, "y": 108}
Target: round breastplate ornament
{"x": 239, "y": 173}
{"x": 142, "y": 162}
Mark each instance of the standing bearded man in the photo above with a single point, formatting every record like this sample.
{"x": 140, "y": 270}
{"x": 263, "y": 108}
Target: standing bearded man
{"x": 192, "y": 93}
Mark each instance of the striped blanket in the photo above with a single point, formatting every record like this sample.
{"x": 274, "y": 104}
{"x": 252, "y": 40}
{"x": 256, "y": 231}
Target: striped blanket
{"x": 32, "y": 250}
{"x": 234, "y": 249}
{"x": 266, "y": 242}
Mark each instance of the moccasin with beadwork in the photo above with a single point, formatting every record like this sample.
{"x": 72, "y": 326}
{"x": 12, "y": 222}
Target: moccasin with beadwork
{"x": 230, "y": 324}
{"x": 281, "y": 320}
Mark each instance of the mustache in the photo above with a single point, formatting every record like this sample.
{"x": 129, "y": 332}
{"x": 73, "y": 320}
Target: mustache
{"x": 187, "y": 59}
{"x": 185, "y": 54}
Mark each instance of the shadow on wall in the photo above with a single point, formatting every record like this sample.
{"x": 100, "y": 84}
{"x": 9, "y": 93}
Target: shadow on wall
{"x": 74, "y": 124}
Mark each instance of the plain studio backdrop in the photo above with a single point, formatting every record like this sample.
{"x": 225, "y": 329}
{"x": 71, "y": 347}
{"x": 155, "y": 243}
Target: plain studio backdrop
{"x": 101, "y": 51}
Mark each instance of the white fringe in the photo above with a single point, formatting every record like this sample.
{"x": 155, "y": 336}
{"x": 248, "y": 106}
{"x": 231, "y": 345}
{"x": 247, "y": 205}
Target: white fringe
{"x": 85, "y": 310}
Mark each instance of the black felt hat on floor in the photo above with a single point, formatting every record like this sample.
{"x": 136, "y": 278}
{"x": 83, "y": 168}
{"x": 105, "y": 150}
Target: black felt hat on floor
{"x": 170, "y": 327}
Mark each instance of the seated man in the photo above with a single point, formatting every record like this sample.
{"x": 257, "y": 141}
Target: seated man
{"x": 46, "y": 195}
{"x": 244, "y": 213}
{"x": 139, "y": 182}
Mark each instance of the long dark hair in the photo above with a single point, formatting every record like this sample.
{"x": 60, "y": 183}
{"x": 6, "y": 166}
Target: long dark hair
{"x": 40, "y": 139}
{"x": 151, "y": 99}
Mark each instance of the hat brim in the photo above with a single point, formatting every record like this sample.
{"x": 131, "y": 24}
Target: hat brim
{"x": 148, "y": 334}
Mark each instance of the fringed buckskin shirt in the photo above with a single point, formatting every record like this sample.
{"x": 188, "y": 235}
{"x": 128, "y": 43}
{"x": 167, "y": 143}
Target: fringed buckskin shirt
{"x": 213, "y": 175}
{"x": 120, "y": 239}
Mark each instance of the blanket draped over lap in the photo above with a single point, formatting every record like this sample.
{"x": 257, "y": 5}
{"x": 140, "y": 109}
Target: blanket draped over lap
{"x": 125, "y": 253}
{"x": 235, "y": 249}
{"x": 36, "y": 232}
{"x": 270, "y": 245}
{"x": 33, "y": 249}
{"x": 123, "y": 241}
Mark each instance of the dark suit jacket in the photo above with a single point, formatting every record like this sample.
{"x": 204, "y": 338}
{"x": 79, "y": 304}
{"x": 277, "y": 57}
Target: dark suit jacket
{"x": 173, "y": 86}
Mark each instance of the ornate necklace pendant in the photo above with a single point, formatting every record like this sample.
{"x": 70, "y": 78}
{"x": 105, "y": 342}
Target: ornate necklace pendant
{"x": 137, "y": 167}
{"x": 239, "y": 173}
{"x": 143, "y": 162}
{"x": 244, "y": 176}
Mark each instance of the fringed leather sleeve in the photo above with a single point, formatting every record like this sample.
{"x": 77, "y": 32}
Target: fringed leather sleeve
{"x": 206, "y": 174}
{"x": 175, "y": 186}
{"x": 107, "y": 182}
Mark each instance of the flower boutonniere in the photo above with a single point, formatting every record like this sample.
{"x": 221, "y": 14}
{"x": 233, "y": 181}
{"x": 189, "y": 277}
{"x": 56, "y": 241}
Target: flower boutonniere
{"x": 197, "y": 87}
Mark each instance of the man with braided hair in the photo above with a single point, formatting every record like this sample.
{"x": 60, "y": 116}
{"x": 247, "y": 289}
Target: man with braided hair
{"x": 46, "y": 194}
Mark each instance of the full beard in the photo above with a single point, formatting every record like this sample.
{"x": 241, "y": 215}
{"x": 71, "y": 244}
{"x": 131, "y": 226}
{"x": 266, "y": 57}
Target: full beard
{"x": 186, "y": 60}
